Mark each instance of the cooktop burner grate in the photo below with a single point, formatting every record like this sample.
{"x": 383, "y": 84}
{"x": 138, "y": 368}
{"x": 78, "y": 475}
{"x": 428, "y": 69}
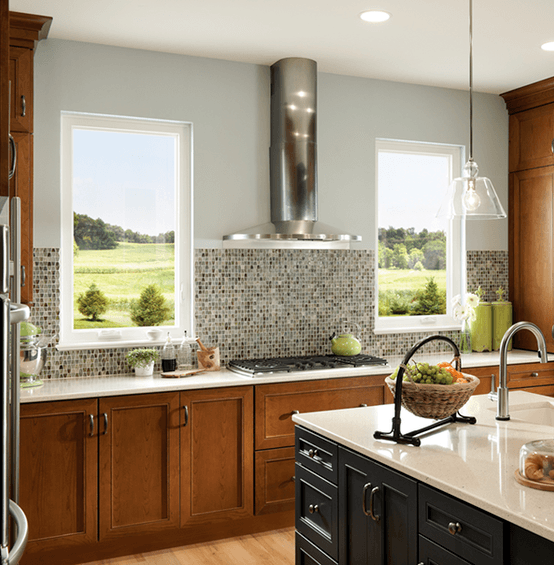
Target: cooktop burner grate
{"x": 259, "y": 367}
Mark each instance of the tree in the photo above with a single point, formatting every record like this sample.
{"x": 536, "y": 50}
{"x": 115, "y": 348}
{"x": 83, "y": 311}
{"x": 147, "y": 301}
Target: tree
{"x": 93, "y": 303}
{"x": 151, "y": 308}
{"x": 92, "y": 234}
{"x": 429, "y": 300}
{"x": 400, "y": 256}
{"x": 416, "y": 256}
{"x": 435, "y": 255}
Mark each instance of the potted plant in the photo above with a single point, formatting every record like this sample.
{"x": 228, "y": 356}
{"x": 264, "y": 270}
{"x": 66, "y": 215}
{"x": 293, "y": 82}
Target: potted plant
{"x": 142, "y": 360}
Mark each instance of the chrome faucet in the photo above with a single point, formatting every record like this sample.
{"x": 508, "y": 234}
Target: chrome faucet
{"x": 502, "y": 412}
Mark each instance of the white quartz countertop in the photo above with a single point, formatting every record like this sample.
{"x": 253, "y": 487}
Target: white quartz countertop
{"x": 475, "y": 463}
{"x": 117, "y": 385}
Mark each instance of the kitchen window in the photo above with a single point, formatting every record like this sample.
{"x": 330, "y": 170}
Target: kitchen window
{"x": 127, "y": 238}
{"x": 420, "y": 262}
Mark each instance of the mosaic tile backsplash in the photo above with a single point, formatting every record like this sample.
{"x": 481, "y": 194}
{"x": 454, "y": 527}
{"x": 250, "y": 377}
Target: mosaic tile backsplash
{"x": 256, "y": 303}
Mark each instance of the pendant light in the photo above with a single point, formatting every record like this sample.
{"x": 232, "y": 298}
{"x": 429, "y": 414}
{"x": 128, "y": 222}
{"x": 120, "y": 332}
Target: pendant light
{"x": 471, "y": 196}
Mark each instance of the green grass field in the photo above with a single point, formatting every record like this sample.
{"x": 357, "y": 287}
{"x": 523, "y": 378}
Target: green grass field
{"x": 122, "y": 273}
{"x": 406, "y": 279}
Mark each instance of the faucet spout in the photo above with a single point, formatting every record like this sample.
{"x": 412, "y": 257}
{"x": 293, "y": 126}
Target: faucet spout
{"x": 502, "y": 411}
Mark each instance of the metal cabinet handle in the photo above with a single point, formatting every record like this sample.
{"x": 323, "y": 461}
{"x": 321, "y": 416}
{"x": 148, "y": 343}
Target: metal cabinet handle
{"x": 313, "y": 508}
{"x": 374, "y": 516}
{"x": 313, "y": 453}
{"x": 298, "y": 411}
{"x": 364, "y": 492}
{"x": 23, "y": 106}
{"x": 293, "y": 478}
{"x": 363, "y": 405}
{"x": 91, "y": 423}
{"x": 105, "y": 423}
{"x": 552, "y": 146}
{"x": 23, "y": 275}
{"x": 14, "y": 157}
{"x": 535, "y": 374}
{"x": 22, "y": 528}
{"x": 454, "y": 528}
{"x": 186, "y": 409}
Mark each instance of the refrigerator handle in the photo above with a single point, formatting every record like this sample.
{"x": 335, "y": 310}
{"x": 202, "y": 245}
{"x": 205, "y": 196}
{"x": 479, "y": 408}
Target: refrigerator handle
{"x": 14, "y": 157}
{"x": 22, "y": 527}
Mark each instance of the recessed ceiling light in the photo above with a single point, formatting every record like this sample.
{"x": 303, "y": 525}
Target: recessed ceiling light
{"x": 375, "y": 16}
{"x": 548, "y": 46}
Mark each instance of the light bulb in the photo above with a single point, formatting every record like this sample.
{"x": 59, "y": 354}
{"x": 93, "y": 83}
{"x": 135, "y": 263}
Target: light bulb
{"x": 471, "y": 199}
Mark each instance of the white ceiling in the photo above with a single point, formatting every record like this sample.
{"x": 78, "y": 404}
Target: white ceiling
{"x": 425, "y": 41}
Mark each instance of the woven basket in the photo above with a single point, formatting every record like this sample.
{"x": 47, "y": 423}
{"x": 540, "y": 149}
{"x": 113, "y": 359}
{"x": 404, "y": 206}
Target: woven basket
{"x": 434, "y": 401}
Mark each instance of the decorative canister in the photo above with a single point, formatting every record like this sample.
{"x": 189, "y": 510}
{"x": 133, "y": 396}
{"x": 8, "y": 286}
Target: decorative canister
{"x": 501, "y": 322}
{"x": 481, "y": 328}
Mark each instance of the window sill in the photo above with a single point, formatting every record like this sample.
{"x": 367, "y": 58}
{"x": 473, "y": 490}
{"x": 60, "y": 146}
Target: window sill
{"x": 119, "y": 344}
{"x": 418, "y": 329}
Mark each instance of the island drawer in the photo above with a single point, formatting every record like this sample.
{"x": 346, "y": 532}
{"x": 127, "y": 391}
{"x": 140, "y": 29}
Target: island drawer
{"x": 316, "y": 513}
{"x": 317, "y": 454}
{"x": 308, "y": 554}
{"x": 464, "y": 530}
{"x": 432, "y": 554}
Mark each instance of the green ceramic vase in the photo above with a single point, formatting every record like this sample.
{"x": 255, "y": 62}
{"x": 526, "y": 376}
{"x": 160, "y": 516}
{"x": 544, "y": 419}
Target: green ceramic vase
{"x": 501, "y": 321}
{"x": 481, "y": 328}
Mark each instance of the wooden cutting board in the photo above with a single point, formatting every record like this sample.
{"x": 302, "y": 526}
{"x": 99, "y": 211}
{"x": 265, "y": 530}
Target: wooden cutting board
{"x": 178, "y": 374}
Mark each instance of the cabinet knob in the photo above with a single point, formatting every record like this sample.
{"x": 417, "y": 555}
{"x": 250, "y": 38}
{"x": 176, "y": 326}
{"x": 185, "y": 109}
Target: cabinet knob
{"x": 313, "y": 453}
{"x": 295, "y": 412}
{"x": 454, "y": 528}
{"x": 363, "y": 405}
{"x": 313, "y": 509}
{"x": 535, "y": 374}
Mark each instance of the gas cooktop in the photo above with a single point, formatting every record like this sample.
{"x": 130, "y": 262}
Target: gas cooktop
{"x": 262, "y": 367}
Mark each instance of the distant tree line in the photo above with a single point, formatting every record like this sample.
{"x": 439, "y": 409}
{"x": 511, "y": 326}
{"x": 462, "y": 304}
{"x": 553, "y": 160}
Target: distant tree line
{"x": 97, "y": 234}
{"x": 403, "y": 248}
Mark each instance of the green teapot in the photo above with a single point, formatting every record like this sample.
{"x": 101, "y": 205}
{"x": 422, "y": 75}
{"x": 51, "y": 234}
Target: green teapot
{"x": 345, "y": 344}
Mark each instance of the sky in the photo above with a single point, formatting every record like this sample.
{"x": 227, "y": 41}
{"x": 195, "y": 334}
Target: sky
{"x": 126, "y": 179}
{"x": 411, "y": 188}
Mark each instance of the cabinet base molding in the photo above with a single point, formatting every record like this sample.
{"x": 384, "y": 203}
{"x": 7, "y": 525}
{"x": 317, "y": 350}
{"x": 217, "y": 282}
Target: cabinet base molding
{"x": 131, "y": 545}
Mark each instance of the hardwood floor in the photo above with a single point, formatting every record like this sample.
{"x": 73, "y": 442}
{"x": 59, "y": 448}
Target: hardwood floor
{"x": 270, "y": 548}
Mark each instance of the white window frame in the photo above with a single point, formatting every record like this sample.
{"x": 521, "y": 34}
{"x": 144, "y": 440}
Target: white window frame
{"x": 455, "y": 241}
{"x": 184, "y": 233}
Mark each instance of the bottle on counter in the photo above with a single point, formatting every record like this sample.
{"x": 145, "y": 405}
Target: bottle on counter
{"x": 169, "y": 357}
{"x": 184, "y": 356}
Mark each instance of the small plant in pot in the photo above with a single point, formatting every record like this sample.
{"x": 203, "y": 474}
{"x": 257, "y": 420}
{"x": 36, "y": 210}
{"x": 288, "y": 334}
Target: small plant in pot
{"x": 142, "y": 360}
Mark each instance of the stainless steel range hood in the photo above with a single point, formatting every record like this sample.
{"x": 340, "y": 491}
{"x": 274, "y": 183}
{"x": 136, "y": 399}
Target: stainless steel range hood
{"x": 293, "y": 164}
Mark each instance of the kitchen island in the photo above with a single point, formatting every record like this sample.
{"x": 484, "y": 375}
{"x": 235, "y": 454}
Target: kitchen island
{"x": 461, "y": 468}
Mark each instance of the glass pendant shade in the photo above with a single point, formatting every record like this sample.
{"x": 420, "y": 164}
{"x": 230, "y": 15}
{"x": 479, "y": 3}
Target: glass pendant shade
{"x": 471, "y": 197}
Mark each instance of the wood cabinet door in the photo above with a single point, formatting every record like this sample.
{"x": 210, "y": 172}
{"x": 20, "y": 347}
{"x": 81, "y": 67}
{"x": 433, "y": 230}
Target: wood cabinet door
{"x": 276, "y": 404}
{"x": 139, "y": 464}
{"x": 532, "y": 138}
{"x": 216, "y": 455}
{"x": 21, "y": 185}
{"x": 59, "y": 473}
{"x": 274, "y": 480}
{"x": 21, "y": 101}
{"x": 532, "y": 253}
{"x": 366, "y": 488}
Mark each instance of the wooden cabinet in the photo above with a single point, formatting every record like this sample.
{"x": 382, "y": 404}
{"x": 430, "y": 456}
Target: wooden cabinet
{"x": 139, "y": 464}
{"x": 217, "y": 468}
{"x": 377, "y": 513}
{"x": 26, "y": 30}
{"x": 4, "y": 97}
{"x": 531, "y": 214}
{"x": 59, "y": 473}
{"x": 274, "y": 441}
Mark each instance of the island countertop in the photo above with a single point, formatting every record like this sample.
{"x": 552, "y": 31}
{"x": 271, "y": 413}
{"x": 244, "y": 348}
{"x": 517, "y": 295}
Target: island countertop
{"x": 475, "y": 463}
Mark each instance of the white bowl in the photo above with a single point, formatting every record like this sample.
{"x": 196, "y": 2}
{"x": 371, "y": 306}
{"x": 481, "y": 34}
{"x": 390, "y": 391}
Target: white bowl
{"x": 154, "y": 334}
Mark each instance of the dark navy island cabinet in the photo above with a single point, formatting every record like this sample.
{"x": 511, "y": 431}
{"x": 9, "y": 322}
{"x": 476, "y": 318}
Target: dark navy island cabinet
{"x": 351, "y": 510}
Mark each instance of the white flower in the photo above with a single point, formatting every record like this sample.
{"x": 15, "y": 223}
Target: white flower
{"x": 457, "y": 300}
{"x": 470, "y": 313}
{"x": 472, "y": 300}
{"x": 458, "y": 312}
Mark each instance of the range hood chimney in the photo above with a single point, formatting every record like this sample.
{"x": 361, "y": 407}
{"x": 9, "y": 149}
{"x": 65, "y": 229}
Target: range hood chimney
{"x": 293, "y": 164}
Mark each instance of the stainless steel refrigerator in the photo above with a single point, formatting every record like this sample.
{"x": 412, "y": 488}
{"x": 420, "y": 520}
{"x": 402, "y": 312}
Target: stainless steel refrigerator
{"x": 14, "y": 531}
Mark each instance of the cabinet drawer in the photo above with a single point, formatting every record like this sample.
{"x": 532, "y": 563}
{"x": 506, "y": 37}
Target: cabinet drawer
{"x": 318, "y": 454}
{"x": 532, "y": 374}
{"x": 464, "y": 530}
{"x": 316, "y": 510}
{"x": 432, "y": 554}
{"x": 277, "y": 403}
{"x": 308, "y": 554}
{"x": 274, "y": 474}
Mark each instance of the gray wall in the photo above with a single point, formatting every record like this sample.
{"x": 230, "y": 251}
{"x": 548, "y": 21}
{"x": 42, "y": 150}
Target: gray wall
{"x": 228, "y": 105}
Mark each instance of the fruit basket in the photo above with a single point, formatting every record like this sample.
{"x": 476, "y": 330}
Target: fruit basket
{"x": 434, "y": 400}
{"x": 440, "y": 401}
